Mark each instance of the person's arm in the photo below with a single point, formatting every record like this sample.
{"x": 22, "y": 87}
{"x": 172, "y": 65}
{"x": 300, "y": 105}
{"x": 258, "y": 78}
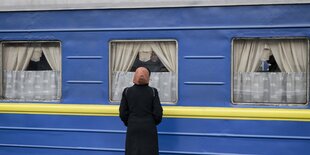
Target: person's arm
{"x": 157, "y": 109}
{"x": 123, "y": 108}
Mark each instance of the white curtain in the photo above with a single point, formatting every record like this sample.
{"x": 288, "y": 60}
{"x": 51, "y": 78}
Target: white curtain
{"x": 290, "y": 55}
{"x": 53, "y": 56}
{"x": 288, "y": 86}
{"x": 16, "y": 57}
{"x": 166, "y": 52}
{"x": 247, "y": 55}
{"x": 276, "y": 87}
{"x": 31, "y": 85}
{"x": 123, "y": 55}
{"x": 164, "y": 82}
{"x": 22, "y": 85}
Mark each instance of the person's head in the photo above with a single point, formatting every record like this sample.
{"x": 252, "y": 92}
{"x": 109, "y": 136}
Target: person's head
{"x": 142, "y": 76}
{"x": 154, "y": 57}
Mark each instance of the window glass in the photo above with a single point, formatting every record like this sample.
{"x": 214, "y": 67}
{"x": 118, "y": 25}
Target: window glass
{"x": 159, "y": 56}
{"x": 31, "y": 71}
{"x": 149, "y": 60}
{"x": 270, "y": 71}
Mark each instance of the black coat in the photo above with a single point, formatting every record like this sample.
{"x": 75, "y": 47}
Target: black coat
{"x": 141, "y": 111}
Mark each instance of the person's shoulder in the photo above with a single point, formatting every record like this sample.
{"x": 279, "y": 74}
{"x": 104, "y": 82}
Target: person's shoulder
{"x": 130, "y": 87}
{"x": 154, "y": 90}
{"x": 126, "y": 89}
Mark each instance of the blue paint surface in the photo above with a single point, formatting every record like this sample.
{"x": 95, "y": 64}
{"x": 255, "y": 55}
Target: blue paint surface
{"x": 92, "y": 134}
{"x": 200, "y": 31}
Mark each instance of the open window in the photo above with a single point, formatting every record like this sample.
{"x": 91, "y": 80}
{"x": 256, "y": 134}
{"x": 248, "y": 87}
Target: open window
{"x": 270, "y": 71}
{"x": 31, "y": 71}
{"x": 159, "y": 56}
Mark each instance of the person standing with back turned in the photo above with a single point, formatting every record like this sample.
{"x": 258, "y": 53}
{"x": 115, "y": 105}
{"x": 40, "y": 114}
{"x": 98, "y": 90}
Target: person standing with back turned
{"x": 141, "y": 112}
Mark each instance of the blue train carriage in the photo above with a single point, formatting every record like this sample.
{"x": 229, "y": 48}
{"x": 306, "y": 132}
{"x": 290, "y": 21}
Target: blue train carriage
{"x": 233, "y": 76}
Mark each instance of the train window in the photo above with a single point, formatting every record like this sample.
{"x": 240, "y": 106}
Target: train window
{"x": 270, "y": 71}
{"x": 31, "y": 71}
{"x": 159, "y": 56}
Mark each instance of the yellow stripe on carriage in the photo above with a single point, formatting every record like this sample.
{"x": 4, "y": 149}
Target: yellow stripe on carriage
{"x": 169, "y": 111}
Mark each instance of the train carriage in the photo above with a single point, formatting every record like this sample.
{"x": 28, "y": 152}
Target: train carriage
{"x": 233, "y": 77}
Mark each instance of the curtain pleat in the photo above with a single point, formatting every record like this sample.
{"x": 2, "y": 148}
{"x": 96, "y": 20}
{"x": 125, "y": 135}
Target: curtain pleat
{"x": 123, "y": 55}
{"x": 53, "y": 57}
{"x": 290, "y": 54}
{"x": 247, "y": 55}
{"x": 16, "y": 57}
{"x": 166, "y": 52}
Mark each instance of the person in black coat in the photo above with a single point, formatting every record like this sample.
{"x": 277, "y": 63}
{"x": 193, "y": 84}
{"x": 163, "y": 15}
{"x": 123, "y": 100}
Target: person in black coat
{"x": 273, "y": 65}
{"x": 141, "y": 111}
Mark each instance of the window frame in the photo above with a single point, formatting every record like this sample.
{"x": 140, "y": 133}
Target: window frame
{"x": 2, "y": 42}
{"x": 269, "y": 103}
{"x": 142, "y": 40}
